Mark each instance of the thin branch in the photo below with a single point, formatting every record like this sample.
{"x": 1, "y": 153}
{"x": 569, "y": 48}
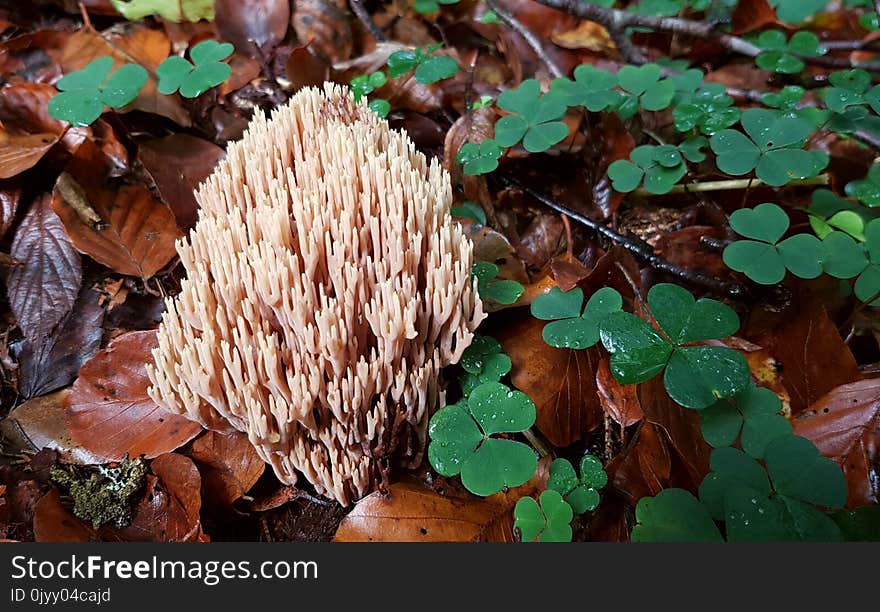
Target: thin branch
{"x": 640, "y": 248}
{"x": 529, "y": 36}
{"x": 733, "y": 184}
{"x": 358, "y": 8}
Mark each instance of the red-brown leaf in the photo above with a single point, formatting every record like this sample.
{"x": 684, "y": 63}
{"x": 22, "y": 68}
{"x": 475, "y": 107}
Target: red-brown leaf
{"x": 229, "y": 465}
{"x": 109, "y": 412}
{"x": 55, "y": 523}
{"x": 246, "y": 23}
{"x": 845, "y": 426}
{"x": 621, "y": 402}
{"x": 44, "y": 287}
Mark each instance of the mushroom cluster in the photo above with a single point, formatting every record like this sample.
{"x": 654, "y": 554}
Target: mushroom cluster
{"x": 326, "y": 288}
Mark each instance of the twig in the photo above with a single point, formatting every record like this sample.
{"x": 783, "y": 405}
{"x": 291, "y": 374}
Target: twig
{"x": 734, "y": 184}
{"x": 529, "y": 36}
{"x": 639, "y": 248}
{"x": 616, "y": 20}
{"x": 85, "y": 15}
{"x": 358, "y": 8}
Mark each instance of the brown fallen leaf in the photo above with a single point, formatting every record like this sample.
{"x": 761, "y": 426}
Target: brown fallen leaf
{"x": 109, "y": 412}
{"x": 55, "y": 523}
{"x": 561, "y": 382}
{"x": 587, "y": 35}
{"x": 9, "y": 199}
{"x": 43, "y": 288}
{"x": 844, "y": 424}
{"x": 325, "y": 27}
{"x": 229, "y": 465}
{"x": 137, "y": 233}
{"x": 20, "y": 153}
{"x": 621, "y": 402}
{"x": 304, "y": 68}
{"x": 178, "y": 163}
{"x": 645, "y": 466}
{"x": 416, "y": 513}
{"x": 252, "y": 25}
{"x": 751, "y": 15}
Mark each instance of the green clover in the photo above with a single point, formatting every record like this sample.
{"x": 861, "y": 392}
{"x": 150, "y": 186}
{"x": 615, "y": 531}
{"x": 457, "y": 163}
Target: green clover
{"x": 866, "y": 190}
{"x": 710, "y": 109}
{"x": 844, "y": 257}
{"x": 548, "y": 522}
{"x": 500, "y": 291}
{"x": 367, "y": 83}
{"x": 535, "y": 118}
{"x": 645, "y": 85}
{"x": 469, "y": 210}
{"x": 828, "y": 213}
{"x": 207, "y": 69}
{"x": 773, "y": 148}
{"x": 695, "y": 376}
{"x": 591, "y": 88}
{"x": 84, "y": 93}
{"x": 754, "y": 412}
{"x": 674, "y": 515}
{"x": 796, "y": 11}
{"x": 462, "y": 442}
{"x": 660, "y": 167}
{"x": 483, "y": 362}
{"x": 763, "y": 258}
{"x": 581, "y": 493}
{"x": 784, "y": 56}
{"x": 435, "y": 69}
{"x": 479, "y": 158}
{"x": 572, "y": 328}
{"x": 867, "y": 287}
{"x": 425, "y": 7}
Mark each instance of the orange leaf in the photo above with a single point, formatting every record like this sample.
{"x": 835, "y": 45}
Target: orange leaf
{"x": 621, "y": 402}
{"x": 229, "y": 465}
{"x": 109, "y": 412}
{"x": 55, "y": 523}
{"x": 20, "y": 153}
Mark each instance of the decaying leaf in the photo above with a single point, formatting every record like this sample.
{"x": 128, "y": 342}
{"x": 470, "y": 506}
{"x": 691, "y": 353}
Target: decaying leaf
{"x": 229, "y": 465}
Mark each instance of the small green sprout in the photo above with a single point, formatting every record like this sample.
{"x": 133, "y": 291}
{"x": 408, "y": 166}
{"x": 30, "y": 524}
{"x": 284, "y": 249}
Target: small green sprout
{"x": 207, "y": 69}
{"x": 581, "y": 493}
{"x": 548, "y": 522}
{"x": 500, "y": 291}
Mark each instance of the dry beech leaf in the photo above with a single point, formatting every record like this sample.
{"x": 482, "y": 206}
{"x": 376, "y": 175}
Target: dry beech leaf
{"x": 561, "y": 382}
{"x": 109, "y": 412}
{"x": 136, "y": 233}
{"x": 9, "y": 199}
{"x": 844, "y": 425}
{"x": 621, "y": 402}
{"x": 44, "y": 287}
{"x": 135, "y": 43}
{"x": 323, "y": 26}
{"x": 246, "y": 23}
{"x": 178, "y": 164}
{"x": 644, "y": 468}
{"x": 229, "y": 465}
{"x": 39, "y": 423}
{"x": 20, "y": 153}
{"x": 169, "y": 510}
{"x": 416, "y": 513}
{"x": 55, "y": 523}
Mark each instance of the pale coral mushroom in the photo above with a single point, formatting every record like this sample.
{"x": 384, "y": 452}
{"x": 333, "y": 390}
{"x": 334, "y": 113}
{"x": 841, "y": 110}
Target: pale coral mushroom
{"x": 326, "y": 288}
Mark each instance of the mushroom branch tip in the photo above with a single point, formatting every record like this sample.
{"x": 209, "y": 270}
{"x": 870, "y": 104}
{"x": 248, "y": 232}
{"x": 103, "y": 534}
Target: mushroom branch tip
{"x": 326, "y": 287}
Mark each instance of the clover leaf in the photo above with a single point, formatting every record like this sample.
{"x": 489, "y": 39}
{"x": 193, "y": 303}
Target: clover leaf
{"x": 645, "y": 84}
{"x": 591, "y": 88}
{"x": 710, "y": 109}
{"x": 773, "y": 148}
{"x": 795, "y": 11}
{"x": 764, "y": 259}
{"x": 673, "y": 515}
{"x": 479, "y": 158}
{"x": 828, "y": 213}
{"x": 500, "y": 291}
{"x": 844, "y": 257}
{"x": 84, "y": 93}
{"x": 548, "y": 522}
{"x": 800, "y": 472}
{"x": 661, "y": 167}
{"x": 207, "y": 69}
{"x": 866, "y": 190}
{"x": 581, "y": 493}
{"x": 484, "y": 360}
{"x": 469, "y": 210}
{"x": 754, "y": 412}
{"x": 434, "y": 69}
{"x": 867, "y": 287}
{"x": 784, "y": 56}
{"x": 572, "y": 328}
{"x": 534, "y": 119}
{"x": 696, "y": 376}
{"x": 462, "y": 442}
{"x": 367, "y": 83}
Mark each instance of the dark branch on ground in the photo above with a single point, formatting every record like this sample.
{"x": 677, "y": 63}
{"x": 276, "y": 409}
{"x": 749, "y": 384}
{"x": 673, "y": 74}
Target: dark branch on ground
{"x": 363, "y": 16}
{"x": 529, "y": 36}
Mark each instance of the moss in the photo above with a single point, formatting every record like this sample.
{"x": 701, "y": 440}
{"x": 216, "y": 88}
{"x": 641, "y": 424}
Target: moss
{"x": 102, "y": 494}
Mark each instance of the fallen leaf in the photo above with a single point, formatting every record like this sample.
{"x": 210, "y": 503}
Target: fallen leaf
{"x": 252, "y": 25}
{"x": 587, "y": 35}
{"x": 306, "y": 69}
{"x": 54, "y": 361}
{"x": 751, "y": 15}
{"x": 616, "y": 143}
{"x": 645, "y": 466}
{"x": 109, "y": 412}
{"x": 621, "y": 402}
{"x": 169, "y": 510}
{"x": 55, "y": 523}
{"x": 229, "y": 465}
{"x": 178, "y": 164}
{"x": 568, "y": 272}
{"x": 9, "y": 199}
{"x": 25, "y": 107}
{"x": 416, "y": 513}
{"x": 43, "y": 288}
{"x": 20, "y": 153}
{"x": 322, "y": 25}
{"x": 137, "y": 233}
{"x": 561, "y": 382}
{"x": 844, "y": 425}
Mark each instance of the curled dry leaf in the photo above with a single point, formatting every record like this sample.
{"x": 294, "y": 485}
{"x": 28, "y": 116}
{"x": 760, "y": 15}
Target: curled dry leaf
{"x": 621, "y": 402}
{"x": 43, "y": 288}
{"x": 322, "y": 25}
{"x": 251, "y": 25}
{"x": 416, "y": 513}
{"x": 109, "y": 412}
{"x": 55, "y": 360}
{"x": 136, "y": 232}
{"x": 229, "y": 465}
{"x": 844, "y": 424}
{"x": 39, "y": 423}
{"x": 178, "y": 163}
{"x": 561, "y": 382}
